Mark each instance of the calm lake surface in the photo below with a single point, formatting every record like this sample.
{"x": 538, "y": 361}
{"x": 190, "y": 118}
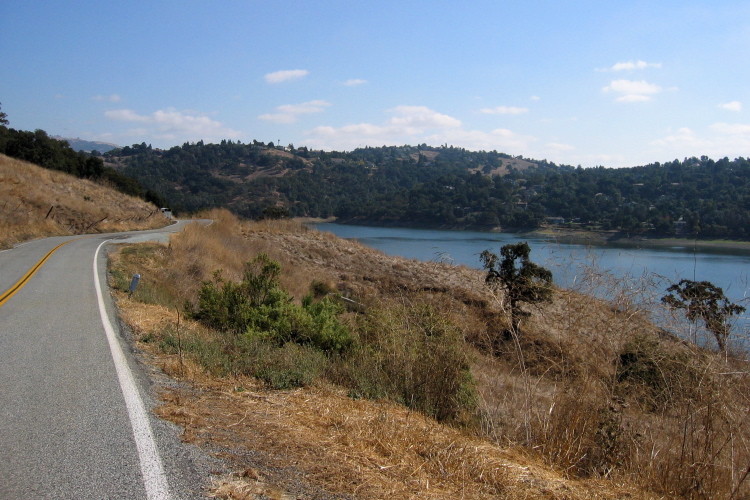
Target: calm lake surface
{"x": 569, "y": 263}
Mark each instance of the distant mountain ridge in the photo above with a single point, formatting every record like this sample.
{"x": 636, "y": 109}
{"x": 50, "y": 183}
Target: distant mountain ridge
{"x": 88, "y": 146}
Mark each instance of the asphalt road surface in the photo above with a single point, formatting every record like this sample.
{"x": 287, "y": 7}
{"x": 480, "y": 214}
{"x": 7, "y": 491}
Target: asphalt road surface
{"x": 75, "y": 419}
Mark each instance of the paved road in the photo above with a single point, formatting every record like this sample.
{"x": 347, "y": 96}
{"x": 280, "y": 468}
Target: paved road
{"x": 70, "y": 426}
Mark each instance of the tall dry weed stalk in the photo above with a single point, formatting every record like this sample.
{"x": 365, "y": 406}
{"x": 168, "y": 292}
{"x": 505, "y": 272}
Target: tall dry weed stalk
{"x": 598, "y": 390}
{"x": 592, "y": 387}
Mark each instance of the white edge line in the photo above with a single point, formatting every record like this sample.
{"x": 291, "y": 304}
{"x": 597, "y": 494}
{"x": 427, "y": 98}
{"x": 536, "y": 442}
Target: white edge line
{"x": 154, "y": 478}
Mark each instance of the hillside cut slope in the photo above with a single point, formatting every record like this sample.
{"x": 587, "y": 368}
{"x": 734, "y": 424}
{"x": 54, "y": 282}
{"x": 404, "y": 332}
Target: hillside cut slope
{"x": 37, "y": 202}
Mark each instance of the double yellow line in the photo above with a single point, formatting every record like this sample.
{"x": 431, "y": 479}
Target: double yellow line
{"x": 5, "y": 297}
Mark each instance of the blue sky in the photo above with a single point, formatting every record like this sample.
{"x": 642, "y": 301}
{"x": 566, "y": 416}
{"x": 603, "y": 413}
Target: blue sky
{"x": 579, "y": 82}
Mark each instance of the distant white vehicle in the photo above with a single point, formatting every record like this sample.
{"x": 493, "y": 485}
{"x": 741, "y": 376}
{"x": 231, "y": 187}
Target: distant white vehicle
{"x": 167, "y": 213}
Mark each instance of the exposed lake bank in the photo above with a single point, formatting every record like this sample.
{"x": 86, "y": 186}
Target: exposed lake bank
{"x": 578, "y": 237}
{"x": 601, "y": 238}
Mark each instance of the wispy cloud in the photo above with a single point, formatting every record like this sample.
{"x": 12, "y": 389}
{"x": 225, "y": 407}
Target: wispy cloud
{"x": 407, "y": 123}
{"x": 735, "y": 130}
{"x": 630, "y": 66}
{"x": 732, "y": 106}
{"x": 632, "y": 91}
{"x": 559, "y": 147}
{"x": 107, "y": 98}
{"x": 504, "y": 110}
{"x": 171, "y": 124}
{"x": 289, "y": 113}
{"x": 678, "y": 138}
{"x": 354, "y": 82}
{"x": 126, "y": 115}
{"x": 416, "y": 124}
{"x": 717, "y": 141}
{"x": 286, "y": 75}
{"x": 419, "y": 118}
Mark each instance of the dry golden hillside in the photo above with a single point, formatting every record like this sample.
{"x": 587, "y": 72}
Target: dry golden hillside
{"x": 36, "y": 202}
{"x": 589, "y": 401}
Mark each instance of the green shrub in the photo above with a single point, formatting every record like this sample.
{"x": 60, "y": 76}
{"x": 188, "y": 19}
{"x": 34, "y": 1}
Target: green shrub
{"x": 258, "y": 308}
{"x": 413, "y": 355}
{"x": 284, "y": 367}
{"x": 290, "y": 366}
{"x": 655, "y": 376}
{"x": 320, "y": 289}
{"x": 639, "y": 363}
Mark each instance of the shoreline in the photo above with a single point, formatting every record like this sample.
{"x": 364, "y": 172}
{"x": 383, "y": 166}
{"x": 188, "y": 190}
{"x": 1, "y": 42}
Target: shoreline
{"x": 620, "y": 239}
{"x": 580, "y": 237}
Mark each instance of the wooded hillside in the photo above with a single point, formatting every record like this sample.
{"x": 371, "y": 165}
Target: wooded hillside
{"x": 447, "y": 187}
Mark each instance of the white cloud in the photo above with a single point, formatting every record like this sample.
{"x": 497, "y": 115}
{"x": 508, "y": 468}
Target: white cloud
{"x": 285, "y": 75}
{"x": 630, "y": 66}
{"x": 633, "y": 91}
{"x": 108, "y": 98}
{"x": 504, "y": 110}
{"x": 141, "y": 132}
{"x": 683, "y": 136}
{"x": 289, "y": 113}
{"x": 500, "y": 139}
{"x": 354, "y": 82}
{"x": 558, "y": 147}
{"x": 719, "y": 140}
{"x": 535, "y": 98}
{"x": 278, "y": 118}
{"x": 315, "y": 106}
{"x": 633, "y": 98}
{"x": 732, "y": 106}
{"x": 416, "y": 119}
{"x": 414, "y": 125}
{"x": 172, "y": 124}
{"x": 738, "y": 130}
{"x": 125, "y": 115}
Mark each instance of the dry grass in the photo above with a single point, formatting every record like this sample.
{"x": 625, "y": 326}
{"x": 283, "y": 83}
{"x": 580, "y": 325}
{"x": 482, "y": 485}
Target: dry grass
{"x": 556, "y": 390}
{"x": 37, "y": 202}
{"x": 318, "y": 443}
{"x": 599, "y": 391}
{"x": 365, "y": 449}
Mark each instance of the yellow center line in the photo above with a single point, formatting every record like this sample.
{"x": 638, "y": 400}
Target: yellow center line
{"x": 5, "y": 297}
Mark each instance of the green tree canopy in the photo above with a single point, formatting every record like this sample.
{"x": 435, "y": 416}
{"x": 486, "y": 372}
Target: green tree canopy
{"x": 3, "y": 117}
{"x": 706, "y": 301}
{"x": 521, "y": 279}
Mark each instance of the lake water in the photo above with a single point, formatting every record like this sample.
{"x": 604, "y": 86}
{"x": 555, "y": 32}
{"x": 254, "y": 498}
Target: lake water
{"x": 569, "y": 263}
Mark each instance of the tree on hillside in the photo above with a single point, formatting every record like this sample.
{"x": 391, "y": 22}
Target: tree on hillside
{"x": 3, "y": 116}
{"x": 520, "y": 279}
{"x": 703, "y": 300}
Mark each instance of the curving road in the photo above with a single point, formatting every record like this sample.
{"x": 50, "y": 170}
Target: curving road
{"x": 74, "y": 404}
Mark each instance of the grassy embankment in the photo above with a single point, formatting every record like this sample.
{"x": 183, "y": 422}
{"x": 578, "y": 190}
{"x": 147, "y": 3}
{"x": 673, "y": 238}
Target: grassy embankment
{"x": 36, "y": 202}
{"x": 432, "y": 397}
